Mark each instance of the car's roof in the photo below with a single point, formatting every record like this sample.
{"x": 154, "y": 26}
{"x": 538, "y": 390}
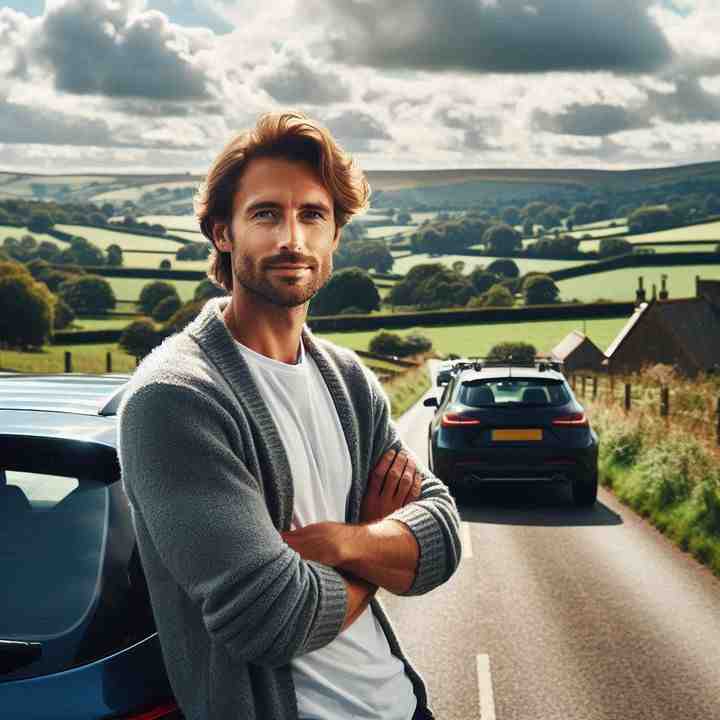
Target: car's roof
{"x": 507, "y": 371}
{"x": 75, "y": 394}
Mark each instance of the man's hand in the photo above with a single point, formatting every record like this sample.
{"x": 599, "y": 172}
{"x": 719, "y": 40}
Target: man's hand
{"x": 323, "y": 542}
{"x": 393, "y": 483}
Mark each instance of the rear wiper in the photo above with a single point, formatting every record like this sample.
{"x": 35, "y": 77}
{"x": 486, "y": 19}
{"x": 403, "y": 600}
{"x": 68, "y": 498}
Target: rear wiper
{"x": 15, "y": 654}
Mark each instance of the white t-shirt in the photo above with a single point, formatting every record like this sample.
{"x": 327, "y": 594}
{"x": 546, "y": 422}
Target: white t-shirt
{"x": 355, "y": 675}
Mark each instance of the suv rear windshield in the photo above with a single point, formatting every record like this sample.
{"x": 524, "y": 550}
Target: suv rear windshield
{"x": 513, "y": 391}
{"x": 52, "y": 537}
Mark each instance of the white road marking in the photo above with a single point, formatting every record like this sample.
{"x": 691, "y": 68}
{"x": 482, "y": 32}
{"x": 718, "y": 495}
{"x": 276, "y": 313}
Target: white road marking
{"x": 487, "y": 701}
{"x": 466, "y": 541}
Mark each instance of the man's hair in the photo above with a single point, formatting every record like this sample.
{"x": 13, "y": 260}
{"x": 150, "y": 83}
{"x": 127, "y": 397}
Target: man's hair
{"x": 291, "y": 136}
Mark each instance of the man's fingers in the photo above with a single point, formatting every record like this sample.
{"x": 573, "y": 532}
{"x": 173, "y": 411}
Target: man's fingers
{"x": 377, "y": 476}
{"x": 405, "y": 484}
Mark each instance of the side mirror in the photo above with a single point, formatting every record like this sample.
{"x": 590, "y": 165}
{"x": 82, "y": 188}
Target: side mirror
{"x": 430, "y": 402}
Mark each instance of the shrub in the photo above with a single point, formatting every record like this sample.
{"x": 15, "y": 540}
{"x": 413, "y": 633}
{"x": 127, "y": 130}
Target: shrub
{"x": 140, "y": 337}
{"x": 153, "y": 293}
{"x": 88, "y": 294}
{"x": 518, "y": 351}
{"x": 386, "y": 343}
{"x": 27, "y": 311}
{"x": 183, "y": 317}
{"x": 166, "y": 308}
{"x": 64, "y": 314}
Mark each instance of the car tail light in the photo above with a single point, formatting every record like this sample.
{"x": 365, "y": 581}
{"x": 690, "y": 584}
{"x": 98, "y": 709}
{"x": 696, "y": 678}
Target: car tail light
{"x": 458, "y": 420}
{"x": 167, "y": 711}
{"x": 572, "y": 420}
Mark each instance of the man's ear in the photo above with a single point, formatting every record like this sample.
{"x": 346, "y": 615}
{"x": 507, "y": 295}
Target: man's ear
{"x": 221, "y": 237}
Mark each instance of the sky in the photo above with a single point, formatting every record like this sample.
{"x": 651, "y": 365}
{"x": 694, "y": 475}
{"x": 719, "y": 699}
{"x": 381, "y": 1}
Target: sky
{"x": 162, "y": 85}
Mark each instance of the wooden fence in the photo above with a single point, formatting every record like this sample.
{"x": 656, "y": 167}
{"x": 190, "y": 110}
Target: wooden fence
{"x": 669, "y": 402}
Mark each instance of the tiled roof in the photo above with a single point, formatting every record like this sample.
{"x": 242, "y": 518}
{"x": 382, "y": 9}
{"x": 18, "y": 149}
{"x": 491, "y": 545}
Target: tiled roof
{"x": 570, "y": 342}
{"x": 629, "y": 325}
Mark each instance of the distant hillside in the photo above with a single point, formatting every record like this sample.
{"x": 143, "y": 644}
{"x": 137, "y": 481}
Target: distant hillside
{"x": 403, "y": 187}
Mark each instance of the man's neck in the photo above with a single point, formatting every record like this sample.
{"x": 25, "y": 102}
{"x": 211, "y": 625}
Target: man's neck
{"x": 268, "y": 329}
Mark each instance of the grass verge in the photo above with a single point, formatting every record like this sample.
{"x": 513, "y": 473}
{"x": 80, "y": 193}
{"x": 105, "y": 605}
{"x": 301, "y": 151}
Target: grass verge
{"x": 405, "y": 389}
{"x": 667, "y": 475}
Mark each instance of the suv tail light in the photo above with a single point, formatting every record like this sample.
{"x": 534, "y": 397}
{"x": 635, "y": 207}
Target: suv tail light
{"x": 572, "y": 420}
{"x": 166, "y": 711}
{"x": 458, "y": 420}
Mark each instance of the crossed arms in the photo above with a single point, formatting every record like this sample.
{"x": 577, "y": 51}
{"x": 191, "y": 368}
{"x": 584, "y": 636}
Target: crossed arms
{"x": 379, "y": 552}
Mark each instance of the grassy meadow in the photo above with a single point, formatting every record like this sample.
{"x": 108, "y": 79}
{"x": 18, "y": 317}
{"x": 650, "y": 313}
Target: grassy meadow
{"x": 129, "y": 288}
{"x": 478, "y": 339}
{"x": 402, "y": 265}
{"x": 620, "y": 285}
{"x": 18, "y": 232}
{"x": 103, "y": 238}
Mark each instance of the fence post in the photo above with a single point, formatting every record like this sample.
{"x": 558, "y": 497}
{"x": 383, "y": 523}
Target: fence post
{"x": 665, "y": 401}
{"x": 583, "y": 380}
{"x": 108, "y": 362}
{"x": 595, "y": 387}
{"x": 574, "y": 381}
{"x": 718, "y": 421}
{"x": 68, "y": 361}
{"x": 628, "y": 396}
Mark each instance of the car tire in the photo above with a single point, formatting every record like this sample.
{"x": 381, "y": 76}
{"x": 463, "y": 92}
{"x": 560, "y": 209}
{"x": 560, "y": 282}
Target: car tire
{"x": 584, "y": 490}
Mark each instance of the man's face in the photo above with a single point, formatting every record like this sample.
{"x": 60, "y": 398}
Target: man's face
{"x": 282, "y": 232}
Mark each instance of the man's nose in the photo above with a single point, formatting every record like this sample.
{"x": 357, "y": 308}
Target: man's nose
{"x": 293, "y": 235}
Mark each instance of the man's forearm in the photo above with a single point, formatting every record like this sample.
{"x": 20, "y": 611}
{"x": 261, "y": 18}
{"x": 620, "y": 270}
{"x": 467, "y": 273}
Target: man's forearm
{"x": 384, "y": 553}
{"x": 359, "y": 594}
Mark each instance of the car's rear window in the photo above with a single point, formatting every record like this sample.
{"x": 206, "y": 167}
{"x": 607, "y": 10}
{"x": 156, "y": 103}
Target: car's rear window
{"x": 52, "y": 536}
{"x": 513, "y": 391}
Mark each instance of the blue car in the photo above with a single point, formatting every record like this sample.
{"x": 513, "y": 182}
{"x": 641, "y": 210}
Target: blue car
{"x": 77, "y": 635}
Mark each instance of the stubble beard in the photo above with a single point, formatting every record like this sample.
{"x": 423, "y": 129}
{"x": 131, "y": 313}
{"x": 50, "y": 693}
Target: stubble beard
{"x": 288, "y": 292}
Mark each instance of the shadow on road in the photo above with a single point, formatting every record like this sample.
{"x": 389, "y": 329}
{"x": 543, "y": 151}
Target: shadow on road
{"x": 529, "y": 504}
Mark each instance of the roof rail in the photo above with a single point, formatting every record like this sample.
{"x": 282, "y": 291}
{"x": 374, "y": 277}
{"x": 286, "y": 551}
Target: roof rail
{"x": 478, "y": 363}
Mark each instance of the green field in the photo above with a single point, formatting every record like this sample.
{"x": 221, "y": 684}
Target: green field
{"x": 478, "y": 339}
{"x": 85, "y": 358}
{"x": 134, "y": 193}
{"x": 620, "y": 284}
{"x": 670, "y": 247}
{"x": 103, "y": 238}
{"x": 16, "y": 232}
{"x": 596, "y": 233}
{"x": 129, "y": 288}
{"x": 384, "y": 231}
{"x": 96, "y": 323}
{"x": 181, "y": 222}
{"x": 402, "y": 265}
{"x": 703, "y": 231}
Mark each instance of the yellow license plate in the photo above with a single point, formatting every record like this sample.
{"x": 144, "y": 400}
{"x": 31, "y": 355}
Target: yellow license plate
{"x": 517, "y": 435}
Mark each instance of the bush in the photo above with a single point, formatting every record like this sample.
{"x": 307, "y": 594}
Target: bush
{"x": 540, "y": 290}
{"x": 516, "y": 351}
{"x": 498, "y": 296}
{"x": 386, "y": 343}
{"x": 611, "y": 246}
{"x": 166, "y": 308}
{"x": 183, "y": 317}
{"x": 207, "y": 289}
{"x": 504, "y": 266}
{"x": 140, "y": 337}
{"x": 27, "y": 311}
{"x": 153, "y": 293}
{"x": 64, "y": 314}
{"x": 88, "y": 294}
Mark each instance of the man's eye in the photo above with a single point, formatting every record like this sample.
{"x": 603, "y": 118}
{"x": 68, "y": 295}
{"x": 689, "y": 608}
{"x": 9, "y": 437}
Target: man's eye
{"x": 316, "y": 213}
{"x": 261, "y": 213}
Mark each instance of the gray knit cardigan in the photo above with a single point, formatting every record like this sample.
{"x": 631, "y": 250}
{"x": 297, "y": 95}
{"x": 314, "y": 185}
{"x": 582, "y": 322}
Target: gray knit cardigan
{"x": 210, "y": 489}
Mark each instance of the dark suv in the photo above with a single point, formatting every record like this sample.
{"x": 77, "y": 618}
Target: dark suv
{"x": 507, "y": 422}
{"x": 77, "y": 636}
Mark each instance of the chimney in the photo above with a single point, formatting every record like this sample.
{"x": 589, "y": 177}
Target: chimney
{"x": 640, "y": 292}
{"x": 663, "y": 290}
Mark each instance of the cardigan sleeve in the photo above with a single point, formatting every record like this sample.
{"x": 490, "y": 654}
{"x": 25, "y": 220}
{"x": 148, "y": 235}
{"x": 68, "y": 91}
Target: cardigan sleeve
{"x": 432, "y": 518}
{"x": 209, "y": 525}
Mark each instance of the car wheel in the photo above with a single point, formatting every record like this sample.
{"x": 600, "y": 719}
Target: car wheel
{"x": 584, "y": 490}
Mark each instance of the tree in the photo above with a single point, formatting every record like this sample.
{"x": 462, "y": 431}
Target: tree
{"x": 482, "y": 280}
{"x": 82, "y": 252}
{"x": 498, "y": 296}
{"x": 48, "y": 251}
{"x": 406, "y": 291}
{"x": 165, "y": 264}
{"x": 64, "y": 314}
{"x": 364, "y": 254}
{"x": 540, "y": 290}
{"x": 403, "y": 218}
{"x": 445, "y": 288}
{"x": 532, "y": 210}
{"x": 528, "y": 228}
{"x": 183, "y": 317}
{"x": 505, "y": 267}
{"x": 614, "y": 246}
{"x": 153, "y": 293}
{"x": 140, "y": 337}
{"x": 512, "y": 351}
{"x": 114, "y": 255}
{"x": 501, "y": 240}
{"x": 207, "y": 289}
{"x": 193, "y": 251}
{"x": 10, "y": 267}
{"x": 346, "y": 288}
{"x": 599, "y": 210}
{"x": 581, "y": 214}
{"x": 28, "y": 311}
{"x": 650, "y": 219}
{"x": 40, "y": 222}
{"x": 166, "y": 308}
{"x": 88, "y": 294}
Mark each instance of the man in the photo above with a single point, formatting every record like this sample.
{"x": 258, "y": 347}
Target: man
{"x": 271, "y": 494}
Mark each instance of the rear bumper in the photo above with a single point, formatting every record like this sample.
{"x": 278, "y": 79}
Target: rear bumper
{"x": 518, "y": 465}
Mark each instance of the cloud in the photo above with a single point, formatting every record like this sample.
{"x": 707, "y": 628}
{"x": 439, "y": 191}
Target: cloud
{"x": 293, "y": 81}
{"x": 355, "y": 129}
{"x": 475, "y": 128}
{"x": 595, "y": 119}
{"x": 513, "y": 36}
{"x": 108, "y": 48}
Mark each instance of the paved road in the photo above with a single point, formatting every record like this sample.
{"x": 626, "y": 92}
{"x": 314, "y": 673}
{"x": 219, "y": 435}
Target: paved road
{"x": 562, "y": 614}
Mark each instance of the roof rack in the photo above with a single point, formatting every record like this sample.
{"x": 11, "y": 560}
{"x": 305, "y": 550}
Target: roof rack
{"x": 478, "y": 363}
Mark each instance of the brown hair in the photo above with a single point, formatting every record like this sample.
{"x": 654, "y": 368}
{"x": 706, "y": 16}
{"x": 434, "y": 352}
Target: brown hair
{"x": 289, "y": 135}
